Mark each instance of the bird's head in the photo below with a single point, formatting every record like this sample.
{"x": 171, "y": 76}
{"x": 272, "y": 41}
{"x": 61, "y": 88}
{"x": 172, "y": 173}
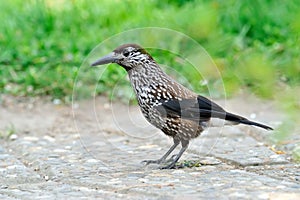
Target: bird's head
{"x": 127, "y": 55}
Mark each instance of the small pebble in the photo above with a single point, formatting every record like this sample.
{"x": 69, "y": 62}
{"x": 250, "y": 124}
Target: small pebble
{"x": 92, "y": 161}
{"x": 264, "y": 196}
{"x": 280, "y": 187}
{"x": 179, "y": 171}
{"x": 68, "y": 147}
{"x": 13, "y": 137}
{"x": 56, "y": 101}
{"x": 46, "y": 178}
{"x": 274, "y": 156}
{"x": 49, "y": 138}
{"x": 113, "y": 181}
{"x": 143, "y": 180}
{"x": 253, "y": 116}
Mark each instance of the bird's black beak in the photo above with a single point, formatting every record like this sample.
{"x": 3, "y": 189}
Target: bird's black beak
{"x": 110, "y": 58}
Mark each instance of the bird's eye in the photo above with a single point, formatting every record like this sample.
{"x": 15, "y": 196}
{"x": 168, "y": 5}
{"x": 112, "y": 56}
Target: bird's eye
{"x": 126, "y": 53}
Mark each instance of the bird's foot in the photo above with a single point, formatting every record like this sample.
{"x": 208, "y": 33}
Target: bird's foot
{"x": 172, "y": 165}
{"x": 160, "y": 161}
{"x": 168, "y": 167}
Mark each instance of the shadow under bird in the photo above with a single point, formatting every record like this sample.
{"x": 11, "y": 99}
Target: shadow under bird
{"x": 166, "y": 104}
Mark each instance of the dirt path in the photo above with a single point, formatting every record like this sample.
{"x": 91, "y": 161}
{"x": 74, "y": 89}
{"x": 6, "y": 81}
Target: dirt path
{"x": 94, "y": 149}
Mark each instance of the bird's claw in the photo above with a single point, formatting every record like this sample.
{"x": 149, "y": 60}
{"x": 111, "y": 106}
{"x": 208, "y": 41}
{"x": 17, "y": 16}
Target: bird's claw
{"x": 160, "y": 161}
{"x": 169, "y": 166}
{"x": 147, "y": 162}
{"x": 172, "y": 166}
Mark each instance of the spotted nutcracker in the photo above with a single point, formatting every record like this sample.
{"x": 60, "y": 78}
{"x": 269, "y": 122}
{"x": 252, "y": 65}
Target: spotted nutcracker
{"x": 166, "y": 104}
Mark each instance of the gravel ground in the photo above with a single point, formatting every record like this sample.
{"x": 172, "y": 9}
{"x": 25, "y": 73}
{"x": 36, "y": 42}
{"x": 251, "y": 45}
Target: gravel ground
{"x": 94, "y": 151}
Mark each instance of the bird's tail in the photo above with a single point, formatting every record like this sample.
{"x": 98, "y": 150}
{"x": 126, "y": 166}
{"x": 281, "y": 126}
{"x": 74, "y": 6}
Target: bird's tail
{"x": 242, "y": 120}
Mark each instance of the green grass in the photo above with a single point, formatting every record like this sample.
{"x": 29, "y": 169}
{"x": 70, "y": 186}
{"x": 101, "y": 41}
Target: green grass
{"x": 43, "y": 43}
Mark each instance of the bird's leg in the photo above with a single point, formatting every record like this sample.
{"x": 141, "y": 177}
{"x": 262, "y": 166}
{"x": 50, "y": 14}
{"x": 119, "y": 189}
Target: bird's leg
{"x": 185, "y": 145}
{"x": 163, "y": 158}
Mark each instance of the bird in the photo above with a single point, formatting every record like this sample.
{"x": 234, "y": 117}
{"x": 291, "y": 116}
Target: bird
{"x": 166, "y": 104}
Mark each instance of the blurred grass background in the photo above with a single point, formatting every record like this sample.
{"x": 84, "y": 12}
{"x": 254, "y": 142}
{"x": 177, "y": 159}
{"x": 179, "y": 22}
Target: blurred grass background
{"x": 254, "y": 43}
